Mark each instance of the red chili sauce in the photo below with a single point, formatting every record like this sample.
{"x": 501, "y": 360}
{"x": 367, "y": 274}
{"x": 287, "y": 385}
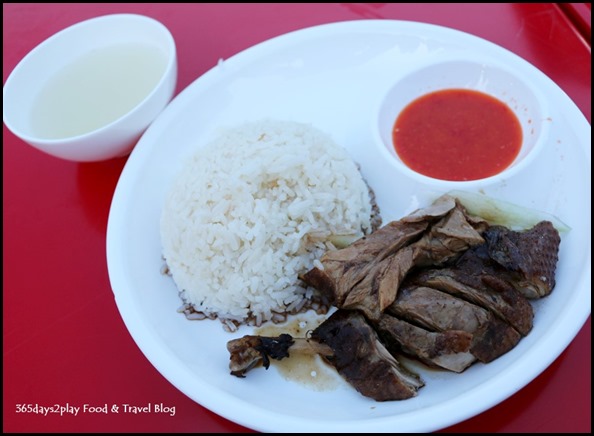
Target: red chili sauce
{"x": 457, "y": 134}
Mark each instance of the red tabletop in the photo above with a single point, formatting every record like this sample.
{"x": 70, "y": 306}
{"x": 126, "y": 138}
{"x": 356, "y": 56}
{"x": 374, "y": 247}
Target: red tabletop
{"x": 64, "y": 342}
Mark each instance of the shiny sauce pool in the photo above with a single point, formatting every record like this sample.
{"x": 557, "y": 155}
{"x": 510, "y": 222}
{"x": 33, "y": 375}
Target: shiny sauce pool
{"x": 307, "y": 370}
{"x": 458, "y": 135}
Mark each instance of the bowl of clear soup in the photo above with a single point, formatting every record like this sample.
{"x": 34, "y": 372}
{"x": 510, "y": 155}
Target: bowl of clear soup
{"x": 88, "y": 92}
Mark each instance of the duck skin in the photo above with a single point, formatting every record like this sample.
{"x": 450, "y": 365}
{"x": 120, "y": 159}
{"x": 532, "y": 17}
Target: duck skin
{"x": 529, "y": 257}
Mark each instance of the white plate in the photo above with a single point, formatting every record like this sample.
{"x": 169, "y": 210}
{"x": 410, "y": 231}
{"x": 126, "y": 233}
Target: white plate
{"x": 331, "y": 76}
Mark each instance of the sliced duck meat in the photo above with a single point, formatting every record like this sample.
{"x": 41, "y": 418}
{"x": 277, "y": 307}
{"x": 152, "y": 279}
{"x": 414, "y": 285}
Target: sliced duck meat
{"x": 367, "y": 275}
{"x": 474, "y": 280}
{"x": 530, "y": 256}
{"x": 438, "y": 311}
{"x": 345, "y": 268}
{"x": 448, "y": 350}
{"x": 362, "y": 360}
{"x": 439, "y": 285}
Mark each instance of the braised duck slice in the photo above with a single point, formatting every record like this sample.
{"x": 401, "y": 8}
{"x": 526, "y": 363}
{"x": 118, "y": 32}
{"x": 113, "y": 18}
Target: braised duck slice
{"x": 344, "y": 269}
{"x": 362, "y": 360}
{"x": 448, "y": 350}
{"x": 447, "y": 239}
{"x": 475, "y": 280}
{"x": 438, "y": 311}
{"x": 530, "y": 256}
{"x": 366, "y": 275}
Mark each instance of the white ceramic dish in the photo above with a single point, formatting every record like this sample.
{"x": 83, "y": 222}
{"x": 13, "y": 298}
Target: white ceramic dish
{"x": 331, "y": 76}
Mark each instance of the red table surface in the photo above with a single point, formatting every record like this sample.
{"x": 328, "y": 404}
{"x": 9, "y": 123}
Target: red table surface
{"x": 64, "y": 342}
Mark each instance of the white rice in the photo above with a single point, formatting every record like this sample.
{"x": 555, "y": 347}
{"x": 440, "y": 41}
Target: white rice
{"x": 251, "y": 211}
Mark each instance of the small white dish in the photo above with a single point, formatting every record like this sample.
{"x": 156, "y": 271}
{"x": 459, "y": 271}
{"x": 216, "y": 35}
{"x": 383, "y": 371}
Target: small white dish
{"x": 88, "y": 92}
{"x": 503, "y": 83}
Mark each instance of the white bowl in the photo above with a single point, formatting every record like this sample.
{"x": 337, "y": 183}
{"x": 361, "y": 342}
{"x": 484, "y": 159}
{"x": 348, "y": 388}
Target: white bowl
{"x": 505, "y": 84}
{"x": 88, "y": 92}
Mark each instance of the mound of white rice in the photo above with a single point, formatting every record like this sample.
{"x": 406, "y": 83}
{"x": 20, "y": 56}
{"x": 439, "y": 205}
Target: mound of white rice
{"x": 252, "y": 210}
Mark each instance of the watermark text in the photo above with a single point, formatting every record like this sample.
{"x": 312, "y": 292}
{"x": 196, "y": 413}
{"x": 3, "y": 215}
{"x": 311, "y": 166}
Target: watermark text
{"x": 97, "y": 409}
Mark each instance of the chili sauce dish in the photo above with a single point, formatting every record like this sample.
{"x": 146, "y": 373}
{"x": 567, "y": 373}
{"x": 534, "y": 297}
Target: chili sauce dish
{"x": 461, "y": 123}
